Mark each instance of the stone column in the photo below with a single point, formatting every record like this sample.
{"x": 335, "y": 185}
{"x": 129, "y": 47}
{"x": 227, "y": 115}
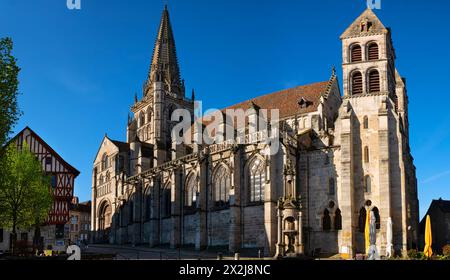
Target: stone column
{"x": 155, "y": 214}
{"x": 384, "y": 172}
{"x": 235, "y": 202}
{"x": 177, "y": 182}
{"x": 201, "y": 239}
{"x": 270, "y": 206}
{"x": 280, "y": 244}
{"x": 348, "y": 246}
{"x": 299, "y": 244}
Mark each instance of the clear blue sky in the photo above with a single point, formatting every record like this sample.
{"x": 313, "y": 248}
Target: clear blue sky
{"x": 80, "y": 69}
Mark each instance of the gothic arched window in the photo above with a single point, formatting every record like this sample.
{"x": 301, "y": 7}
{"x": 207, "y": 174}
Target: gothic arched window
{"x": 141, "y": 119}
{"x": 374, "y": 81}
{"x": 366, "y": 122}
{"x": 108, "y": 177}
{"x": 376, "y": 213}
{"x": 131, "y": 212}
{"x": 366, "y": 154}
{"x": 148, "y": 204}
{"x": 373, "y": 52}
{"x": 166, "y": 203}
{"x": 105, "y": 162}
{"x": 357, "y": 83}
{"x": 222, "y": 185}
{"x": 326, "y": 220}
{"x": 100, "y": 180}
{"x": 356, "y": 53}
{"x": 257, "y": 181}
{"x": 367, "y": 184}
{"x": 362, "y": 219}
{"x": 337, "y": 219}
{"x": 191, "y": 191}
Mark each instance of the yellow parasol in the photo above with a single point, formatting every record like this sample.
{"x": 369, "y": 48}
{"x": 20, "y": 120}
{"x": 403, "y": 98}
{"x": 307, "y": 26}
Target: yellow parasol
{"x": 428, "y": 252}
{"x": 367, "y": 232}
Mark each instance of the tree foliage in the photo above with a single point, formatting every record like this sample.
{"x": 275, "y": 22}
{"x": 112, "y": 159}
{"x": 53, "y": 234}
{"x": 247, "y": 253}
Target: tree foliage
{"x": 25, "y": 196}
{"x": 9, "y": 84}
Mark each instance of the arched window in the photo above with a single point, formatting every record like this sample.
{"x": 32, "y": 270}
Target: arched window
{"x": 108, "y": 177}
{"x": 357, "y": 83}
{"x": 100, "y": 180}
{"x": 166, "y": 202}
{"x": 331, "y": 186}
{"x": 366, "y": 122}
{"x": 149, "y": 116}
{"x": 222, "y": 185}
{"x": 362, "y": 219}
{"x": 257, "y": 181}
{"x": 105, "y": 162}
{"x": 141, "y": 119}
{"x": 367, "y": 184}
{"x": 374, "y": 81}
{"x": 191, "y": 191}
{"x": 356, "y": 53}
{"x": 131, "y": 212}
{"x": 326, "y": 220}
{"x": 148, "y": 204}
{"x": 366, "y": 154}
{"x": 372, "y": 50}
{"x": 376, "y": 213}
{"x": 337, "y": 219}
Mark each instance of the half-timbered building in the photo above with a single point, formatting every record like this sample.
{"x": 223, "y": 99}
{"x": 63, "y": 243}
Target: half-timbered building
{"x": 62, "y": 176}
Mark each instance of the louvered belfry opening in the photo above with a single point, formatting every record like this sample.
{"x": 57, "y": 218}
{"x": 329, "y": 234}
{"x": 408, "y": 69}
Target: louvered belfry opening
{"x": 356, "y": 53}
{"x": 374, "y": 81}
{"x": 373, "y": 51}
{"x": 357, "y": 83}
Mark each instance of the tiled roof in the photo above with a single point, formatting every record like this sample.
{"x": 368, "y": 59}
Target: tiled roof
{"x": 287, "y": 101}
{"x": 121, "y": 145}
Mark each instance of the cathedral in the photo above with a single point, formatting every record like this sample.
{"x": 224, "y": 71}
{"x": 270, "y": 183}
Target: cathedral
{"x": 342, "y": 155}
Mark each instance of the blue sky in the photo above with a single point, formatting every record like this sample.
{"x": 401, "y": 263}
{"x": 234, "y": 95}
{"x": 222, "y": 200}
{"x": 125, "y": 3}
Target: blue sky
{"x": 81, "y": 69}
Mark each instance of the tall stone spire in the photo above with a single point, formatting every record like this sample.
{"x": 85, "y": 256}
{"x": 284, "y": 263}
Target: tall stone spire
{"x": 164, "y": 67}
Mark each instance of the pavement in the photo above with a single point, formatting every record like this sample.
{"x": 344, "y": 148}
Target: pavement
{"x": 145, "y": 253}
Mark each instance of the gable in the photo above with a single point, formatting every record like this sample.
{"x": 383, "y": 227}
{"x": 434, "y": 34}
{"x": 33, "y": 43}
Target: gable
{"x": 367, "y": 24}
{"x": 107, "y": 146}
{"x": 51, "y": 161}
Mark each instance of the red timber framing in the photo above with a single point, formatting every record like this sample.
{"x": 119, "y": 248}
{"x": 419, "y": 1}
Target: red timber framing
{"x": 62, "y": 174}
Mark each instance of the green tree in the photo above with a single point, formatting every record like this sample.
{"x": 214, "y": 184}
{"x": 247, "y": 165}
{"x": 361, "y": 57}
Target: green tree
{"x": 25, "y": 196}
{"x": 9, "y": 85}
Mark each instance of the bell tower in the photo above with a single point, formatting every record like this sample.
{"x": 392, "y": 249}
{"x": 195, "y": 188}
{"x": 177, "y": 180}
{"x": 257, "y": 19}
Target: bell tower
{"x": 368, "y": 57}
{"x": 375, "y": 157}
{"x": 163, "y": 93}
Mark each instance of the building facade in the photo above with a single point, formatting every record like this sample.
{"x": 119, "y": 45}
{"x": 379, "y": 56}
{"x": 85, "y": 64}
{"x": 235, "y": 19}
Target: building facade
{"x": 341, "y": 155}
{"x": 53, "y": 232}
{"x": 80, "y": 221}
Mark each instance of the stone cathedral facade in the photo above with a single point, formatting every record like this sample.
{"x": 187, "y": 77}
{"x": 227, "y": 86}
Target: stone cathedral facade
{"x": 341, "y": 156}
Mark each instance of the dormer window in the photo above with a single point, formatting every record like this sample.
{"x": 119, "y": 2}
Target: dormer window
{"x": 304, "y": 103}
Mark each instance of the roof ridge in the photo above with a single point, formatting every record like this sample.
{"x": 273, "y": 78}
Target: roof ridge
{"x": 275, "y": 92}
